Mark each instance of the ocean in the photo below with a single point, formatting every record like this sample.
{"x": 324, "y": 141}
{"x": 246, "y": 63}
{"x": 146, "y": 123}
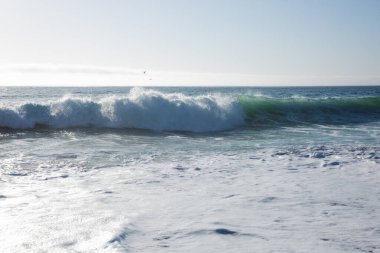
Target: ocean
{"x": 190, "y": 169}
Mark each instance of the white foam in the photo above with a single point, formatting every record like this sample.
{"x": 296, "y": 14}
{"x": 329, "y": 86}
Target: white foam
{"x": 282, "y": 202}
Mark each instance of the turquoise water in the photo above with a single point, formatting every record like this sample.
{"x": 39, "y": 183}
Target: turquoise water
{"x": 190, "y": 169}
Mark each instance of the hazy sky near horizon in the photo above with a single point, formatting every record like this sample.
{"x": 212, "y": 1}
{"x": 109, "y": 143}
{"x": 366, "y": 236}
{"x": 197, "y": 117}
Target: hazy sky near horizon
{"x": 290, "y": 42}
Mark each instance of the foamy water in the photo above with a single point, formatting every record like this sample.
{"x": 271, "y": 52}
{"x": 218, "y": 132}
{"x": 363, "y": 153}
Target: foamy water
{"x": 80, "y": 172}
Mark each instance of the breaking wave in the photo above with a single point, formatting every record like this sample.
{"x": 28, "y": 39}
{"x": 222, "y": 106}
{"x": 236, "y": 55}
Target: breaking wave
{"x": 154, "y": 110}
{"x": 142, "y": 109}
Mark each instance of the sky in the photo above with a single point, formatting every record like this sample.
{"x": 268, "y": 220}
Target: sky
{"x": 190, "y": 42}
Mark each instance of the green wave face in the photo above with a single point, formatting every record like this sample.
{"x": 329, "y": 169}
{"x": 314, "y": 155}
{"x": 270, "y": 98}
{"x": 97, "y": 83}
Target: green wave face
{"x": 265, "y": 111}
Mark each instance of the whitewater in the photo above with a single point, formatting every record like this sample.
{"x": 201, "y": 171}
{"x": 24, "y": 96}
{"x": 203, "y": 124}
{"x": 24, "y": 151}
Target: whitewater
{"x": 143, "y": 109}
{"x": 119, "y": 169}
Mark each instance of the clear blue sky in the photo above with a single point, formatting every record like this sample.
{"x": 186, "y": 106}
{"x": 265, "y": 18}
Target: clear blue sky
{"x": 333, "y": 40}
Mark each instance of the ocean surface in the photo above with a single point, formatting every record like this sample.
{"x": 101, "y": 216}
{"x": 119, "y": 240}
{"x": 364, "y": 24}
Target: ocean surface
{"x": 113, "y": 169}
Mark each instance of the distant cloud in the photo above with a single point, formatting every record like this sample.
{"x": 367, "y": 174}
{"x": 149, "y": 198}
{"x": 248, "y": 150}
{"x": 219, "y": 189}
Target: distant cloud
{"x": 69, "y": 69}
{"x": 79, "y": 75}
